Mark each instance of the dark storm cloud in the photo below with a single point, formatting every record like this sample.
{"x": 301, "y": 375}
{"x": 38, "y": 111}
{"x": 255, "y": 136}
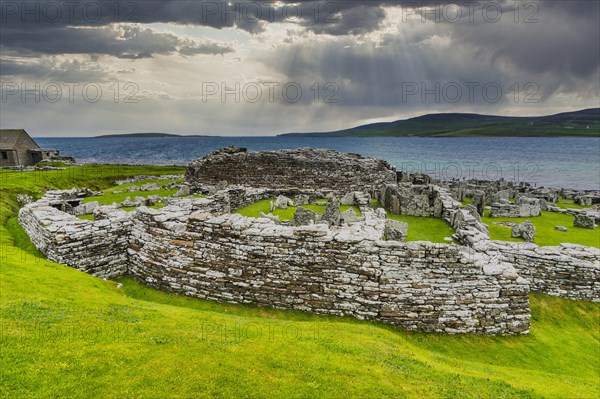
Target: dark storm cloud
{"x": 550, "y": 54}
{"x": 331, "y": 16}
{"x": 45, "y": 26}
{"x": 124, "y": 41}
{"x": 557, "y": 47}
{"x": 565, "y": 41}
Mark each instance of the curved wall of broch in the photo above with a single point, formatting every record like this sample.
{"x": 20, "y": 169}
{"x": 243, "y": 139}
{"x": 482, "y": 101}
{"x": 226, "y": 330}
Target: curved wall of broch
{"x": 195, "y": 247}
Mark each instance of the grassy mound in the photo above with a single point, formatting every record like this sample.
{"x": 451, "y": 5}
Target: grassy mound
{"x": 67, "y": 334}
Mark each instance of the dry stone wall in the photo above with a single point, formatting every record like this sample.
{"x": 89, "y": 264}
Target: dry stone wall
{"x": 569, "y": 270}
{"x": 334, "y": 270}
{"x": 95, "y": 247}
{"x": 305, "y": 168}
{"x": 192, "y": 247}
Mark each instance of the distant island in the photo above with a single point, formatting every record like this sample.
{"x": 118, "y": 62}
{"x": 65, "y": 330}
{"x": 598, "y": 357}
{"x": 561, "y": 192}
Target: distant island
{"x": 579, "y": 123}
{"x": 584, "y": 123}
{"x": 145, "y": 135}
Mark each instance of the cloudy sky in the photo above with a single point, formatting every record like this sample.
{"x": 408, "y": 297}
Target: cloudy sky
{"x": 77, "y": 68}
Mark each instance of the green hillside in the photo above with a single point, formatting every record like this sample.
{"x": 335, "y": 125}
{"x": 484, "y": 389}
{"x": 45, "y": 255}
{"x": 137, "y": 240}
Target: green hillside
{"x": 581, "y": 123}
{"x": 70, "y": 335}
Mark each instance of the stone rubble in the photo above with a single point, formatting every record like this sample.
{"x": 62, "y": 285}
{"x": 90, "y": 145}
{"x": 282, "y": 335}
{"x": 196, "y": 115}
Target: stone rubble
{"x": 584, "y": 221}
{"x": 524, "y": 230}
{"x": 304, "y": 216}
{"x": 524, "y": 207}
{"x": 395, "y": 230}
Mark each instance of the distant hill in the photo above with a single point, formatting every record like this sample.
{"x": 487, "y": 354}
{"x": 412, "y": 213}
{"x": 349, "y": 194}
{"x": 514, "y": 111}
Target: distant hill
{"x": 143, "y": 135}
{"x": 579, "y": 123}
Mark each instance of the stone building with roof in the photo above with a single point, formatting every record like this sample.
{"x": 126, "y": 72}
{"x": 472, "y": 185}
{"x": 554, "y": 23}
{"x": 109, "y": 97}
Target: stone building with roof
{"x": 17, "y": 148}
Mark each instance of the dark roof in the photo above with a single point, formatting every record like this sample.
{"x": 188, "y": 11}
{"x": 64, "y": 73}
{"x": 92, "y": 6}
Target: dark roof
{"x": 10, "y": 137}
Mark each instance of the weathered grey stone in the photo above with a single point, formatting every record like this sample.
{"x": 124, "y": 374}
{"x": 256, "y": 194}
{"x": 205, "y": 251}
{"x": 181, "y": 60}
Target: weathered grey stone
{"x": 153, "y": 199}
{"x": 304, "y": 216}
{"x": 525, "y": 230}
{"x": 479, "y": 200}
{"x": 183, "y": 191}
{"x": 524, "y": 207}
{"x": 584, "y": 221}
{"x": 406, "y": 199}
{"x": 583, "y": 200}
{"x": 201, "y": 215}
{"x": 332, "y": 213}
{"x": 500, "y": 196}
{"x": 349, "y": 216}
{"x": 24, "y": 199}
{"x": 395, "y": 230}
{"x": 560, "y": 228}
{"x": 221, "y": 185}
{"x": 150, "y": 187}
{"x": 529, "y": 207}
{"x": 302, "y": 199}
{"x": 85, "y": 209}
{"x": 282, "y": 202}
{"x": 304, "y": 168}
{"x": 270, "y": 216}
{"x": 347, "y": 199}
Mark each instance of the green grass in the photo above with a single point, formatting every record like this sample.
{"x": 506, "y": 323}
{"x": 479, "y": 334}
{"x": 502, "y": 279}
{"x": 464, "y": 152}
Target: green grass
{"x": 425, "y": 228}
{"x": 568, "y": 203}
{"x": 107, "y": 198}
{"x": 124, "y": 187}
{"x": 125, "y": 208}
{"x": 64, "y": 333}
{"x": 112, "y": 195}
{"x": 254, "y": 210}
{"x": 466, "y": 201}
{"x": 421, "y": 228}
{"x": 545, "y": 234}
{"x": 55, "y": 164}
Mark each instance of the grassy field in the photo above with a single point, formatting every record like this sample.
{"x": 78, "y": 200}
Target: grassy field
{"x": 544, "y": 230}
{"x": 424, "y": 228}
{"x": 119, "y": 193}
{"x": 569, "y": 203}
{"x": 254, "y": 210}
{"x": 67, "y": 334}
{"x": 421, "y": 228}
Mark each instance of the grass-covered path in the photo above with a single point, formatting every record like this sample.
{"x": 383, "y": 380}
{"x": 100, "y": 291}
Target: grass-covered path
{"x": 67, "y": 334}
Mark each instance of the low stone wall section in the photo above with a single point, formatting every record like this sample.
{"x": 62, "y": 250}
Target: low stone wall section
{"x": 96, "y": 247}
{"x": 569, "y": 270}
{"x": 333, "y": 270}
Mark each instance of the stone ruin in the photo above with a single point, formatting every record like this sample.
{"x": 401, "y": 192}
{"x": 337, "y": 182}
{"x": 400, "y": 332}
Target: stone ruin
{"x": 506, "y": 199}
{"x": 359, "y": 267}
{"x": 524, "y": 207}
{"x": 306, "y": 168}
